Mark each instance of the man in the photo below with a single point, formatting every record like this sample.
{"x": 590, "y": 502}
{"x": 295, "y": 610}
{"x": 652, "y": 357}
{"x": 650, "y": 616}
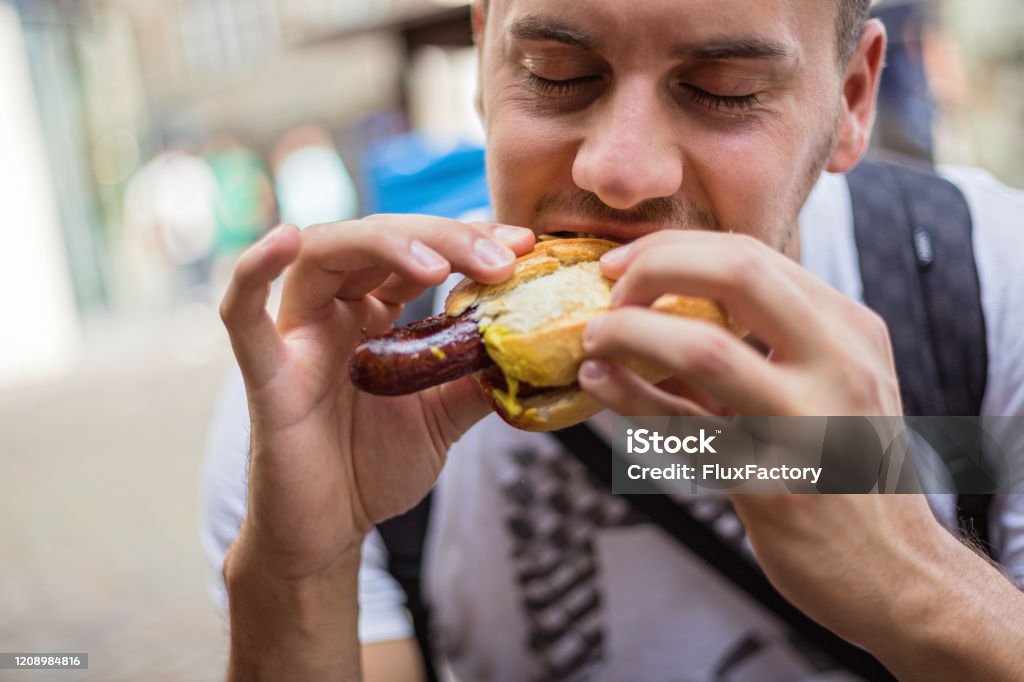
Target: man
{"x": 695, "y": 130}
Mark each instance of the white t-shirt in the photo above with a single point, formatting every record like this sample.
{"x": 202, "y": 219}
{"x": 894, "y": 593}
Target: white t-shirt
{"x": 530, "y": 571}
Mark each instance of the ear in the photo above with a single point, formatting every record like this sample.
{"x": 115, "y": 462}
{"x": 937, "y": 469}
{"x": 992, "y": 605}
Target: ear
{"x": 479, "y": 19}
{"x": 860, "y": 90}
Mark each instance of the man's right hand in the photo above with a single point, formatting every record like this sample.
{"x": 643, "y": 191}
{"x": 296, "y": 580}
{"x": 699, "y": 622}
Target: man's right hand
{"x": 327, "y": 461}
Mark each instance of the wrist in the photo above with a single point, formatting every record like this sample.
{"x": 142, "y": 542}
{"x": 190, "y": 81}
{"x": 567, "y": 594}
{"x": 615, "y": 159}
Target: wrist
{"x": 930, "y": 608}
{"x": 253, "y": 554}
{"x": 283, "y": 626}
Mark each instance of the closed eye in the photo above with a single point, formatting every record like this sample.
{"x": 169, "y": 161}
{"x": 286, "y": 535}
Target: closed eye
{"x": 561, "y": 88}
{"x": 718, "y": 102}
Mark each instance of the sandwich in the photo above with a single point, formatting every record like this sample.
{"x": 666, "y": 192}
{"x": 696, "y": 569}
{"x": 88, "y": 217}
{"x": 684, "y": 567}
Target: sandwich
{"x": 521, "y": 338}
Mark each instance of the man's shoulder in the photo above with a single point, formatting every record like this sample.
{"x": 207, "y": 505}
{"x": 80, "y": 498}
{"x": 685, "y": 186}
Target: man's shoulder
{"x": 981, "y": 184}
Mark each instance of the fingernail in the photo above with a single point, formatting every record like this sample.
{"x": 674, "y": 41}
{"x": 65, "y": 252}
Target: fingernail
{"x": 507, "y": 233}
{"x": 591, "y": 330}
{"x": 493, "y": 253}
{"x": 593, "y": 371}
{"x": 426, "y": 256}
{"x": 615, "y": 256}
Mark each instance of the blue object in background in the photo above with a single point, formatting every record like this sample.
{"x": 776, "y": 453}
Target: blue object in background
{"x": 413, "y": 174}
{"x": 906, "y": 108}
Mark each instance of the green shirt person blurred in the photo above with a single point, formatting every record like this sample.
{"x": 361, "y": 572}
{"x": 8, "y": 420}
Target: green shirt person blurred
{"x": 245, "y": 206}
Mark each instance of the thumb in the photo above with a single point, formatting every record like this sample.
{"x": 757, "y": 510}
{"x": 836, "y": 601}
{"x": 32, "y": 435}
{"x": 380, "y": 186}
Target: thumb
{"x": 456, "y": 406}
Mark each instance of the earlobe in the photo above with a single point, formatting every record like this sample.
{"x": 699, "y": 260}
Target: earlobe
{"x": 851, "y": 142}
{"x": 860, "y": 89}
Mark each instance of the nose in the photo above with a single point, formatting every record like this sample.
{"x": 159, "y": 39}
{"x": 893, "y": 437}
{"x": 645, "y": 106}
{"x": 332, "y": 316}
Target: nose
{"x": 629, "y": 153}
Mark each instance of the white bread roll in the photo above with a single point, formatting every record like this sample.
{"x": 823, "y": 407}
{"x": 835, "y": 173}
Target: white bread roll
{"x": 533, "y": 324}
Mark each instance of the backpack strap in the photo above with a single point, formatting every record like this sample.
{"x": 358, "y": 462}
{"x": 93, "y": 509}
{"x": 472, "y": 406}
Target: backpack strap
{"x": 914, "y": 239}
{"x": 405, "y": 535}
{"x": 677, "y": 521}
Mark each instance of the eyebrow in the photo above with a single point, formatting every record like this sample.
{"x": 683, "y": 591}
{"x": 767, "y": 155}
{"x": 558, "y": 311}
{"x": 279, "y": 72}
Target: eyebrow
{"x": 746, "y": 47}
{"x": 541, "y": 29}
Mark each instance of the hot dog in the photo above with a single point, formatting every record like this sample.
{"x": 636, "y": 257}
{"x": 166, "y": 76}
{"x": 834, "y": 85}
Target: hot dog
{"x": 522, "y": 338}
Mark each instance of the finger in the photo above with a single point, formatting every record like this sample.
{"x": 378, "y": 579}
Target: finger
{"x": 400, "y": 290}
{"x": 680, "y": 387}
{"x": 397, "y": 290}
{"x": 417, "y": 244}
{"x": 254, "y": 337}
{"x": 357, "y": 284}
{"x": 626, "y": 393}
{"x": 614, "y": 263}
{"x": 744, "y": 276}
{"x": 381, "y": 315}
{"x": 422, "y": 249}
{"x": 704, "y": 355}
{"x": 456, "y": 406}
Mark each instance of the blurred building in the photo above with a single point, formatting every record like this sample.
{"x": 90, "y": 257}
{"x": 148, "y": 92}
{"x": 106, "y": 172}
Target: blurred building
{"x": 985, "y": 41}
{"x": 93, "y": 90}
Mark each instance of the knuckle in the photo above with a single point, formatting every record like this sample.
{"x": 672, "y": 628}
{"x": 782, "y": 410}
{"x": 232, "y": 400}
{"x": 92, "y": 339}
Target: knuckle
{"x": 746, "y": 265}
{"x": 317, "y": 230}
{"x": 228, "y": 309}
{"x": 707, "y": 357}
{"x": 865, "y": 385}
{"x": 225, "y": 312}
{"x": 876, "y": 327}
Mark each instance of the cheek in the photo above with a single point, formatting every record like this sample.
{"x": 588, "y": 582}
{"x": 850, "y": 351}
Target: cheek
{"x": 754, "y": 179}
{"x": 528, "y": 158}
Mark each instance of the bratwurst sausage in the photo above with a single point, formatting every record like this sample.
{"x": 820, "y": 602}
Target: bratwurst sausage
{"x": 427, "y": 353}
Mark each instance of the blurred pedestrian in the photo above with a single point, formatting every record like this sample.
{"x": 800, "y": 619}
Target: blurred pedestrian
{"x": 313, "y": 185}
{"x": 170, "y": 215}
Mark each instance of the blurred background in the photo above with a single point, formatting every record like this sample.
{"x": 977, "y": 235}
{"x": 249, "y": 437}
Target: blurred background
{"x": 145, "y": 143}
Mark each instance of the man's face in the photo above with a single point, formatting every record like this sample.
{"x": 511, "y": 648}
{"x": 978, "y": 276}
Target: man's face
{"x": 627, "y": 117}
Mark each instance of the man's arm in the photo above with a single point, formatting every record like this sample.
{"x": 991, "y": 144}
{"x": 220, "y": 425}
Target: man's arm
{"x": 881, "y": 572}
{"x": 307, "y": 629}
{"x": 302, "y": 628}
{"x": 877, "y": 570}
{"x": 328, "y": 462}
{"x": 397, "y": 660}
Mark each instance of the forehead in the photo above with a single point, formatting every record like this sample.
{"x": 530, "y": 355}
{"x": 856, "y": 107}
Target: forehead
{"x": 666, "y": 26}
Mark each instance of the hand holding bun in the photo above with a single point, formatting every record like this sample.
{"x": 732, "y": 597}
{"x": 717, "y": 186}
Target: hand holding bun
{"x": 531, "y": 327}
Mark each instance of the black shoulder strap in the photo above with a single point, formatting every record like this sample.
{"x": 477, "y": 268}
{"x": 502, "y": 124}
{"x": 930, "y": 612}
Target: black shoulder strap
{"x": 404, "y": 537}
{"x": 678, "y": 522}
{"x": 914, "y": 239}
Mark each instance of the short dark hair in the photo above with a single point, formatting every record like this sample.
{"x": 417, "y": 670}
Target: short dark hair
{"x": 849, "y": 24}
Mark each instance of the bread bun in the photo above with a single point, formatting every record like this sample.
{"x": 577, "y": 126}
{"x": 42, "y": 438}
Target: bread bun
{"x": 532, "y": 325}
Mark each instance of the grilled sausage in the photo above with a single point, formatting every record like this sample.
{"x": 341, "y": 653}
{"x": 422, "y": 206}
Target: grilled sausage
{"x": 427, "y": 353}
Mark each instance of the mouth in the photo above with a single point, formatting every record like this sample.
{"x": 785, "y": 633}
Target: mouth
{"x": 622, "y": 234}
{"x": 563, "y": 234}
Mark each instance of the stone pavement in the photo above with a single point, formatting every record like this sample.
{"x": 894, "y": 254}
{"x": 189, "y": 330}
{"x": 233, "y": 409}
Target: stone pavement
{"x": 99, "y": 550}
